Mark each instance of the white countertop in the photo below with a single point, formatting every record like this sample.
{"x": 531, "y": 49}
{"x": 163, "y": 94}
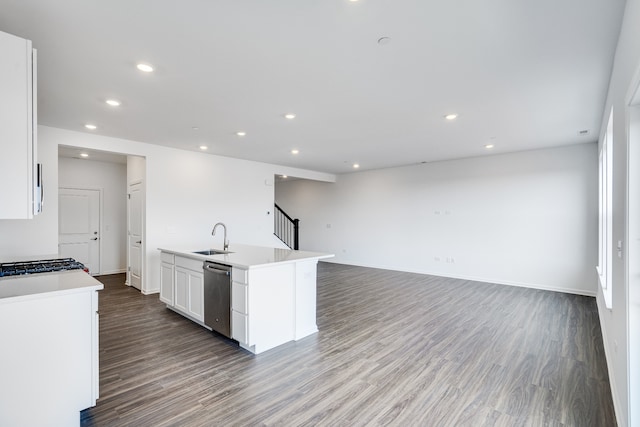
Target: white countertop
{"x": 247, "y": 256}
{"x": 37, "y": 285}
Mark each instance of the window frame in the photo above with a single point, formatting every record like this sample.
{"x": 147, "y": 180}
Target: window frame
{"x": 605, "y": 213}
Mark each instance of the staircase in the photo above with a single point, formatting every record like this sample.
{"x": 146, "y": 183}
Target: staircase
{"x": 286, "y": 228}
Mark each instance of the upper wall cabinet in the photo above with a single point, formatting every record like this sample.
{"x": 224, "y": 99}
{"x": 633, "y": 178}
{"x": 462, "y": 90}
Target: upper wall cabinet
{"x": 19, "y": 176}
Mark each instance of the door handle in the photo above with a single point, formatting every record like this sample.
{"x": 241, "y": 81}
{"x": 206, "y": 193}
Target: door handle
{"x": 94, "y": 238}
{"x": 139, "y": 241}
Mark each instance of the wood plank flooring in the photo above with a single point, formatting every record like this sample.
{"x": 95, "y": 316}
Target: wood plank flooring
{"x": 396, "y": 349}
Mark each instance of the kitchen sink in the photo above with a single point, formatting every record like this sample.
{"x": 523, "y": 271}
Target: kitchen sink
{"x": 212, "y": 252}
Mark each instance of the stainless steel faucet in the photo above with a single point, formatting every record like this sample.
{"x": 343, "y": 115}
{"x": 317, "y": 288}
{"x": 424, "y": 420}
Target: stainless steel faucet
{"x": 213, "y": 233}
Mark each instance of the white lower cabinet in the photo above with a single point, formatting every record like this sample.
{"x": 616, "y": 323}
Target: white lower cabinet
{"x": 167, "y": 278}
{"x": 182, "y": 285}
{"x": 190, "y": 292}
{"x": 240, "y": 306}
{"x": 49, "y": 359}
{"x": 262, "y": 310}
{"x": 239, "y": 330}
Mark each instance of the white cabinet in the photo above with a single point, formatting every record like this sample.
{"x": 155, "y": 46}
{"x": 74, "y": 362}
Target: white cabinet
{"x": 239, "y": 305}
{"x": 18, "y": 124}
{"x": 262, "y": 306}
{"x": 167, "y": 277}
{"x": 182, "y": 285}
{"x": 49, "y": 359}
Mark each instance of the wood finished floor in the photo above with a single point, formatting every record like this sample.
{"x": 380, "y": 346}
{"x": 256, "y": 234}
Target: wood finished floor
{"x": 395, "y": 349}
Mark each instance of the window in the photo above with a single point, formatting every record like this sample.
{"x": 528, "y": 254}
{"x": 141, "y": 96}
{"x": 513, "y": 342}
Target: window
{"x": 605, "y": 227}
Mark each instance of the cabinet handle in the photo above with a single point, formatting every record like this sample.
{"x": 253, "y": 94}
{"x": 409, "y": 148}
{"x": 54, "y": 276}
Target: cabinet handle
{"x": 94, "y": 238}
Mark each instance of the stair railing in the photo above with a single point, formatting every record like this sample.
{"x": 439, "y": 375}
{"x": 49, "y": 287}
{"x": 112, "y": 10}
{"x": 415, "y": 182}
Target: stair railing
{"x": 286, "y": 228}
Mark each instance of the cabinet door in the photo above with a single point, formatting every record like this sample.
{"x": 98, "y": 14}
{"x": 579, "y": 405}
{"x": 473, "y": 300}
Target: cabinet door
{"x": 182, "y": 289}
{"x": 17, "y": 131}
{"x": 239, "y": 327}
{"x": 196, "y": 295}
{"x": 95, "y": 350}
{"x": 166, "y": 283}
{"x": 239, "y": 298}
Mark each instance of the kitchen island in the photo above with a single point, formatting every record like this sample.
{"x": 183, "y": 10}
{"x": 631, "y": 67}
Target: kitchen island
{"x": 49, "y": 356}
{"x": 273, "y": 291}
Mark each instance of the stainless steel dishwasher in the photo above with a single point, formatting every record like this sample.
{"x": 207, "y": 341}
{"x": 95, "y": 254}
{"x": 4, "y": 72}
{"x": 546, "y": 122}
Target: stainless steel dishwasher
{"x": 217, "y": 297}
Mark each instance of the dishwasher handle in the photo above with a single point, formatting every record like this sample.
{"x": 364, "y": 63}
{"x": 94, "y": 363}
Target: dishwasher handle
{"x": 216, "y": 270}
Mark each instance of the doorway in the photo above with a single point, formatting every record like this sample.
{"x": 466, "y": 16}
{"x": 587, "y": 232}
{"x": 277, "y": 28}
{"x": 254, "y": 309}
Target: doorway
{"x": 79, "y": 226}
{"x": 135, "y": 234}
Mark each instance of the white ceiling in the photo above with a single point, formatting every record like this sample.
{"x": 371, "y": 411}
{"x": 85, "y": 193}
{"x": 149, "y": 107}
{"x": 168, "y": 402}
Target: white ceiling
{"x": 521, "y": 74}
{"x": 94, "y": 155}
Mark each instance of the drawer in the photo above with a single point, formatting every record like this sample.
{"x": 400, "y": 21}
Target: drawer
{"x": 239, "y": 331}
{"x": 191, "y": 264}
{"x": 239, "y": 298}
{"x": 239, "y": 275}
{"x": 166, "y": 257}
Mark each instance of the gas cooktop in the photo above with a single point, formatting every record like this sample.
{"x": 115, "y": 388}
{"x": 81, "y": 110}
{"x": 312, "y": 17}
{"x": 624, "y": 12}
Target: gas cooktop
{"x": 42, "y": 266}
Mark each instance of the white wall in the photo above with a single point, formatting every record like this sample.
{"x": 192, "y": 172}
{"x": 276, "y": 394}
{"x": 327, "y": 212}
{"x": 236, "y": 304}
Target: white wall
{"x": 614, "y": 321}
{"x": 527, "y": 218}
{"x": 21, "y": 238}
{"x": 111, "y": 178}
{"x": 186, "y": 194}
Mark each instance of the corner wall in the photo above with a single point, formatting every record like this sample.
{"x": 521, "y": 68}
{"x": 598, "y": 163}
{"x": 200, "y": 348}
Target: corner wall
{"x": 526, "y": 219}
{"x": 615, "y": 328}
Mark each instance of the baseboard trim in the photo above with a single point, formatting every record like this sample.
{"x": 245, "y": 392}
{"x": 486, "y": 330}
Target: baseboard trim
{"x": 118, "y": 271}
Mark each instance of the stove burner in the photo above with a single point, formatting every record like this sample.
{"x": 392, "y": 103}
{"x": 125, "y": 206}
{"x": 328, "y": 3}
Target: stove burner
{"x": 44, "y": 266}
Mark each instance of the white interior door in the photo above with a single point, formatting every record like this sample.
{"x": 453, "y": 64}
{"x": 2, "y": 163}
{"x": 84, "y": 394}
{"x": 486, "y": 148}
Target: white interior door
{"x": 79, "y": 226}
{"x": 633, "y": 266}
{"x": 135, "y": 234}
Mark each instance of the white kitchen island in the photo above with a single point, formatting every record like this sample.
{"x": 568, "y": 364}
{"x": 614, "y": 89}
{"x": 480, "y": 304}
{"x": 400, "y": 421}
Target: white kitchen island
{"x": 49, "y": 348}
{"x": 273, "y": 291}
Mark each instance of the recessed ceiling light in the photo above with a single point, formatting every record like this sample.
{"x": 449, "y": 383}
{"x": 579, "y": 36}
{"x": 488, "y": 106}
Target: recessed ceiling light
{"x": 113, "y": 102}
{"x": 241, "y": 133}
{"x": 356, "y": 166}
{"x": 294, "y": 151}
{"x": 284, "y": 176}
{"x": 84, "y": 155}
{"x": 583, "y": 132}
{"x": 451, "y": 116}
{"x": 195, "y": 127}
{"x": 144, "y": 67}
{"x": 203, "y": 147}
{"x": 489, "y": 146}
{"x": 90, "y": 126}
{"x": 384, "y": 40}
{"x": 290, "y": 116}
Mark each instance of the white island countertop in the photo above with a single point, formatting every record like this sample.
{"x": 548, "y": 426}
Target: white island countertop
{"x": 17, "y": 288}
{"x": 248, "y": 256}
